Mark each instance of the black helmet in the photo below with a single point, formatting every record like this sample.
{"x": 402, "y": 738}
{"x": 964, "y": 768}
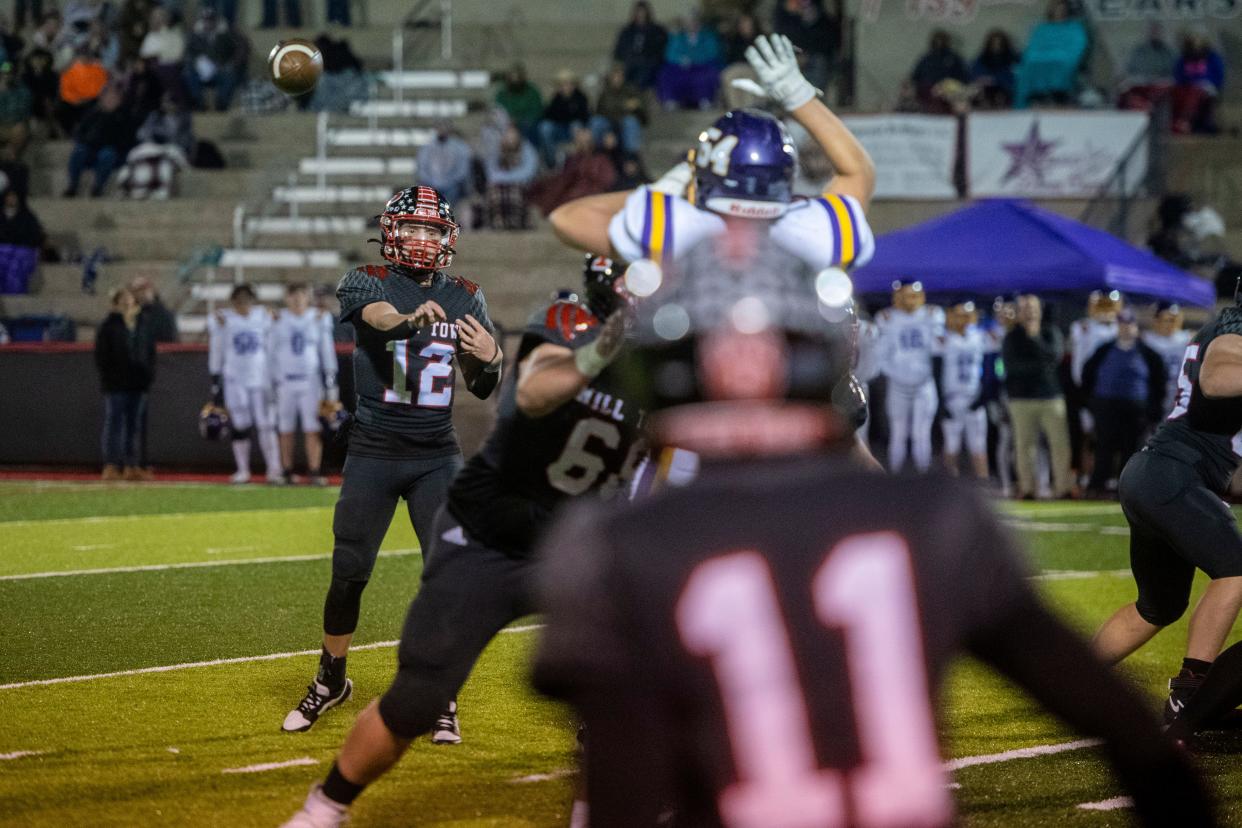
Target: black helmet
{"x": 603, "y": 283}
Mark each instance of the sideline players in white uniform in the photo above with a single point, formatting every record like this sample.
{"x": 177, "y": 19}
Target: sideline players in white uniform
{"x": 909, "y": 331}
{"x": 961, "y": 386}
{"x": 1169, "y": 340}
{"x": 237, "y": 359}
{"x": 304, "y": 371}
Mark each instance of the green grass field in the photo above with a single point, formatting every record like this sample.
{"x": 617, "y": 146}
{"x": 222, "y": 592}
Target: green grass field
{"x": 164, "y": 576}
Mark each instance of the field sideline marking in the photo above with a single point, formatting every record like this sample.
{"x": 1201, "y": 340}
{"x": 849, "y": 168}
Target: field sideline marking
{"x": 1079, "y": 574}
{"x": 167, "y": 668}
{"x": 1019, "y": 753}
{"x": 269, "y": 766}
{"x": 391, "y": 553}
{"x": 164, "y": 515}
{"x": 20, "y": 754}
{"x": 1108, "y": 804}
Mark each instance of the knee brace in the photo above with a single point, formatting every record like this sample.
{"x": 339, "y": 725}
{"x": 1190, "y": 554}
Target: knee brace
{"x": 412, "y": 703}
{"x": 240, "y": 434}
{"x": 341, "y": 607}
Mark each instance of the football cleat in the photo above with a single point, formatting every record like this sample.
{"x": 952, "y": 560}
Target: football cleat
{"x": 317, "y": 701}
{"x": 240, "y": 477}
{"x": 1181, "y": 687}
{"x": 318, "y": 480}
{"x": 318, "y": 812}
{"x": 447, "y": 730}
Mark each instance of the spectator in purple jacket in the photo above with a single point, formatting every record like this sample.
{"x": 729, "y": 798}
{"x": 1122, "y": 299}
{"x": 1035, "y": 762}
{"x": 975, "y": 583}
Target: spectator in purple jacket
{"x": 1199, "y": 77}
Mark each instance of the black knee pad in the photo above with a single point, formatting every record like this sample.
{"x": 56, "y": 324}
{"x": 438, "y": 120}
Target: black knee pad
{"x": 1161, "y": 612}
{"x": 240, "y": 434}
{"x": 341, "y": 607}
{"x": 412, "y": 703}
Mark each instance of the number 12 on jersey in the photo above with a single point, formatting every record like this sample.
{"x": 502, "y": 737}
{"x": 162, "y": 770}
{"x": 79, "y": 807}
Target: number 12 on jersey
{"x": 435, "y": 386}
{"x": 730, "y": 613}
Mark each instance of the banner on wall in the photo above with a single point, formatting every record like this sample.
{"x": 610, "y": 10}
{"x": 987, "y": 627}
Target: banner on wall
{"x": 1052, "y": 155}
{"x": 913, "y": 154}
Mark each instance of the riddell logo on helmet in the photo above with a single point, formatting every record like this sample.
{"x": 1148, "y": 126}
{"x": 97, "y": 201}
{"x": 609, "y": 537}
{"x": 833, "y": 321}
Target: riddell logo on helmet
{"x": 746, "y": 209}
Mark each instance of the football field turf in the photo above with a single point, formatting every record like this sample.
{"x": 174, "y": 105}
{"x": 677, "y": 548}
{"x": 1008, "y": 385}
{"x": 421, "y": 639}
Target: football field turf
{"x": 156, "y": 635}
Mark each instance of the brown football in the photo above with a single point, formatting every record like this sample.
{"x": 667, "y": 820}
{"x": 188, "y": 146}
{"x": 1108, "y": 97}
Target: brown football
{"x": 295, "y": 66}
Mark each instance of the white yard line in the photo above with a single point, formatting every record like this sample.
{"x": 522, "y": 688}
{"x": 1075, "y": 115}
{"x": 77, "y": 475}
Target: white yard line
{"x": 1113, "y": 804}
{"x": 1067, "y": 511}
{"x": 1079, "y": 574}
{"x": 168, "y": 668}
{"x": 91, "y": 547}
{"x": 271, "y": 766}
{"x": 1019, "y": 753}
{"x": 543, "y": 777}
{"x": 391, "y": 553}
{"x": 164, "y": 516}
{"x": 20, "y": 754}
{"x": 216, "y": 550}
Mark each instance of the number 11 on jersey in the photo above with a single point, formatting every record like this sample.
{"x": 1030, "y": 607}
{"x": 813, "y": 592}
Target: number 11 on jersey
{"x": 435, "y": 389}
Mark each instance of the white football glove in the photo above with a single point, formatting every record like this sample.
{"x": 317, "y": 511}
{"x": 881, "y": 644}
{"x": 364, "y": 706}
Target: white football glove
{"x": 675, "y": 181}
{"x": 775, "y": 63}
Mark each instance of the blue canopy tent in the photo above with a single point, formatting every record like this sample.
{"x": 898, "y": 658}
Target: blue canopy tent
{"x": 1003, "y": 246}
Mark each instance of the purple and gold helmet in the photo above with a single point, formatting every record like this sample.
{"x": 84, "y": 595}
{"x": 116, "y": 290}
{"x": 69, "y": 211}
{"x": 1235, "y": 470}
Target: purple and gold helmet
{"x": 745, "y": 165}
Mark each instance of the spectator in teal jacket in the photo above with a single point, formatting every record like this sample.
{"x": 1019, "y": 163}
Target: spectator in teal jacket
{"x": 1054, "y": 53}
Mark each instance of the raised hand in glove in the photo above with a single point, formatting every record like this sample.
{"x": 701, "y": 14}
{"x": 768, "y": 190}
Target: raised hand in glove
{"x": 776, "y": 64}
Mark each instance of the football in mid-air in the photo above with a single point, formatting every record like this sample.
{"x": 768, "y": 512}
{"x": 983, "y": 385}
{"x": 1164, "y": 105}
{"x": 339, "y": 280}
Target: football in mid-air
{"x": 295, "y": 66}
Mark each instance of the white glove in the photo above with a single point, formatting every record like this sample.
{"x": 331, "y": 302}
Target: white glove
{"x": 675, "y": 181}
{"x": 775, "y": 63}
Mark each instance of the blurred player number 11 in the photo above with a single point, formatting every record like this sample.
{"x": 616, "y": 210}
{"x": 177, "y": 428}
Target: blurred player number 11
{"x": 865, "y": 586}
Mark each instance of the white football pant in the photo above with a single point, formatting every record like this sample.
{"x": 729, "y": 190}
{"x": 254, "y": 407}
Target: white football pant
{"x": 911, "y": 411}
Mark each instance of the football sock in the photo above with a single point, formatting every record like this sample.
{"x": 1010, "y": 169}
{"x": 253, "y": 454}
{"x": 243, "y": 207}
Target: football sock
{"x": 269, "y": 443}
{"x": 339, "y": 789}
{"x": 1220, "y": 693}
{"x": 331, "y": 670}
{"x": 241, "y": 454}
{"x": 1196, "y": 666}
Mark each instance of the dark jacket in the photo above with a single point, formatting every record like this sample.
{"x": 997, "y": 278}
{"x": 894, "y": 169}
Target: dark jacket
{"x": 161, "y": 321}
{"x": 22, "y": 229}
{"x": 1156, "y": 379}
{"x": 99, "y": 128}
{"x": 1031, "y": 364}
{"x": 125, "y": 358}
{"x": 640, "y": 45}
{"x": 565, "y": 110}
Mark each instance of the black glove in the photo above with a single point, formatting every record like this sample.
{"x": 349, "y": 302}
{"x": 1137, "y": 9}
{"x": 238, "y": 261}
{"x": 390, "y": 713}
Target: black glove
{"x": 217, "y": 390}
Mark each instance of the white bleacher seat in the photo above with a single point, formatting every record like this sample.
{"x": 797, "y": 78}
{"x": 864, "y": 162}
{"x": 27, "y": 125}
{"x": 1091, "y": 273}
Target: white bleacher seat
{"x": 219, "y": 291}
{"x": 257, "y": 258}
{"x": 191, "y": 324}
{"x": 307, "y": 225}
{"x": 425, "y": 108}
{"x": 382, "y": 137}
{"x": 332, "y": 194}
{"x": 357, "y": 166}
{"x": 437, "y": 79}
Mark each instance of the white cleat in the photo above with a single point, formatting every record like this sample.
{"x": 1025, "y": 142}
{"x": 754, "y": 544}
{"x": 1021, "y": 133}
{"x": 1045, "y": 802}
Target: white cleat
{"x": 447, "y": 730}
{"x": 318, "y": 812}
{"x": 239, "y": 477}
{"x": 317, "y": 701}
{"x": 277, "y": 480}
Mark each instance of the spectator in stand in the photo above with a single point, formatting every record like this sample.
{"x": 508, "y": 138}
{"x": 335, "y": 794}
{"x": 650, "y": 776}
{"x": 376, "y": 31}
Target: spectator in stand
{"x": 445, "y": 164}
{"x": 142, "y": 91}
{"x": 621, "y": 107}
{"x": 936, "y": 72}
{"x": 10, "y": 43}
{"x": 587, "y": 171}
{"x": 162, "y": 321}
{"x": 293, "y": 14}
{"x": 809, "y": 28}
{"x": 164, "y": 50}
{"x": 80, "y": 84}
{"x": 743, "y": 33}
{"x": 21, "y": 240}
{"x": 16, "y": 107}
{"x": 1032, "y": 351}
{"x": 343, "y": 81}
{"x": 99, "y": 142}
{"x": 31, "y": 8}
{"x": 1199, "y": 76}
{"x": 47, "y": 36}
{"x": 992, "y": 72}
{"x": 14, "y": 174}
{"x": 170, "y": 124}
{"x": 690, "y": 75}
{"x": 1055, "y": 52}
{"x": 105, "y": 43}
{"x": 640, "y": 47}
{"x": 1149, "y": 71}
{"x": 44, "y": 86}
{"x": 508, "y": 173}
{"x": 134, "y": 21}
{"x": 214, "y": 59}
{"x": 125, "y": 357}
{"x": 566, "y": 112}
{"x": 521, "y": 99}
{"x": 1125, "y": 382}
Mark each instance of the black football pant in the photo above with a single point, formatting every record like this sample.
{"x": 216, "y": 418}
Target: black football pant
{"x": 469, "y": 593}
{"x": 370, "y": 490}
{"x": 1177, "y": 524}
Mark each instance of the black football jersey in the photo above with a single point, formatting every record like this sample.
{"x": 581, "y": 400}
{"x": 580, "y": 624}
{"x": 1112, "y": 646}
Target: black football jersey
{"x": 405, "y": 387}
{"x": 528, "y": 465}
{"x": 768, "y": 641}
{"x": 1211, "y": 427}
